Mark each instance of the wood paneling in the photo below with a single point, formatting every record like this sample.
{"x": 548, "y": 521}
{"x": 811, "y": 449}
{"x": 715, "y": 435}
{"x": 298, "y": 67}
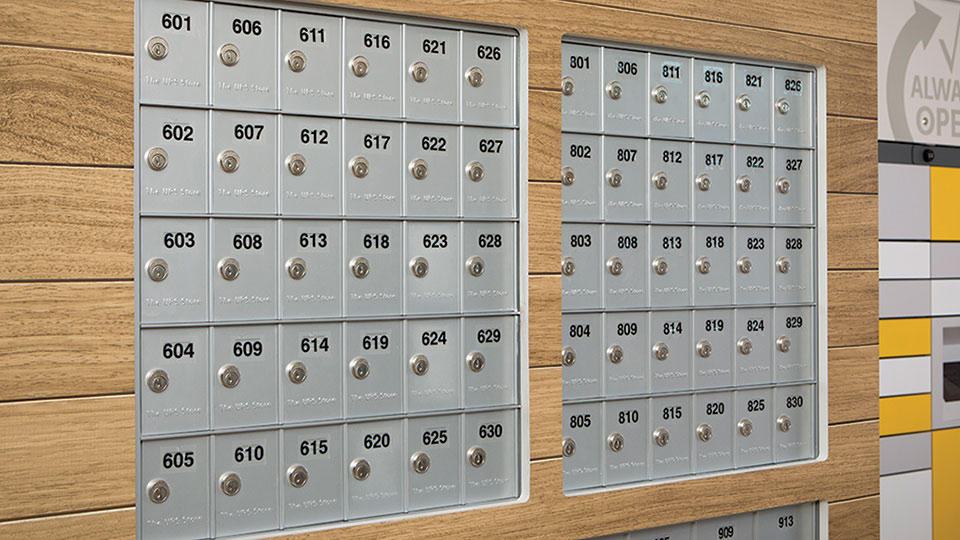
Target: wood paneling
{"x": 95, "y": 25}
{"x": 851, "y": 155}
{"x": 544, "y": 222}
{"x": 546, "y": 427}
{"x": 100, "y": 525}
{"x": 856, "y": 519}
{"x": 545, "y": 320}
{"x": 852, "y": 231}
{"x": 852, "y": 308}
{"x": 853, "y": 381}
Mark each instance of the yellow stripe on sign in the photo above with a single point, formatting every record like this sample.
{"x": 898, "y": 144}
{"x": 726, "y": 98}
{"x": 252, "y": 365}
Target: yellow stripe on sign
{"x": 904, "y": 337}
{"x": 944, "y": 201}
{"x": 904, "y": 414}
{"x": 946, "y": 483}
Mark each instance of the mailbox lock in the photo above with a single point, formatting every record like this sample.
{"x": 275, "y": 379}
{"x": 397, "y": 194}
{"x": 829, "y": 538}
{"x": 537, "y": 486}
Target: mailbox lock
{"x": 360, "y": 267}
{"x": 157, "y": 48}
{"x": 615, "y": 442}
{"x": 704, "y": 432}
{"x": 229, "y": 161}
{"x": 703, "y": 265}
{"x": 296, "y": 61}
{"x": 783, "y": 343}
{"x": 784, "y": 423}
{"x": 660, "y": 94}
{"x": 476, "y": 361}
{"x": 420, "y": 462}
{"x": 615, "y": 266}
{"x": 229, "y": 54}
{"x": 744, "y": 102}
{"x": 229, "y": 268}
{"x": 476, "y": 266}
{"x": 568, "y": 356}
{"x": 296, "y": 164}
{"x": 568, "y": 448}
{"x": 158, "y": 491}
{"x": 703, "y": 99}
{"x": 297, "y": 475}
{"x": 614, "y": 177}
{"x": 157, "y": 380}
{"x": 567, "y": 86}
{"x": 744, "y": 183}
{"x": 704, "y": 349}
{"x": 703, "y": 182}
{"x": 230, "y": 483}
{"x": 419, "y": 364}
{"x": 359, "y": 166}
{"x": 568, "y": 267}
{"x": 474, "y": 171}
{"x": 660, "y": 266}
{"x": 157, "y": 269}
{"x": 474, "y": 76}
{"x": 745, "y": 265}
{"x": 419, "y": 266}
{"x": 783, "y": 185}
{"x": 783, "y": 106}
{"x": 614, "y": 90}
{"x": 229, "y": 376}
{"x": 661, "y": 436}
{"x": 296, "y": 372}
{"x": 360, "y": 368}
{"x": 567, "y": 176}
{"x": 360, "y": 468}
{"x": 660, "y": 180}
{"x": 296, "y": 267}
{"x": 359, "y": 66}
{"x": 745, "y": 427}
{"x": 661, "y": 351}
{"x": 157, "y": 158}
{"x": 783, "y": 265}
{"x": 419, "y": 71}
{"x": 744, "y": 345}
{"x": 615, "y": 354}
{"x": 477, "y": 456}
{"x": 418, "y": 169}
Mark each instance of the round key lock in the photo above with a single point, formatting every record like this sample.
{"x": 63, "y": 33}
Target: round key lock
{"x": 744, "y": 183}
{"x": 744, "y": 265}
{"x": 157, "y": 48}
{"x": 783, "y": 106}
{"x": 476, "y": 361}
{"x": 229, "y": 54}
{"x": 660, "y": 266}
{"x": 615, "y": 266}
{"x": 703, "y": 182}
{"x": 296, "y": 372}
{"x": 360, "y": 267}
{"x": 360, "y": 368}
{"x": 359, "y": 167}
{"x": 703, "y": 99}
{"x": 297, "y": 476}
{"x": 615, "y": 354}
{"x": 476, "y": 456}
{"x": 614, "y": 90}
{"x": 783, "y": 344}
{"x": 474, "y": 171}
{"x": 419, "y": 364}
{"x": 703, "y": 265}
{"x": 229, "y": 161}
{"x": 475, "y": 266}
{"x": 568, "y": 356}
{"x": 566, "y": 86}
{"x": 783, "y": 185}
{"x": 157, "y": 380}
{"x": 661, "y": 351}
{"x": 296, "y": 61}
{"x": 419, "y": 71}
{"x": 660, "y": 180}
{"x": 420, "y": 462}
{"x": 229, "y": 268}
{"x": 783, "y": 265}
{"x": 230, "y": 483}
{"x": 704, "y": 432}
{"x": 418, "y": 169}
{"x": 359, "y": 66}
{"x": 661, "y": 437}
{"x": 474, "y": 76}
{"x": 296, "y": 164}
{"x": 568, "y": 448}
{"x": 743, "y": 102}
{"x": 615, "y": 442}
{"x": 229, "y": 376}
{"x": 158, "y": 491}
{"x": 157, "y": 158}
{"x": 784, "y": 423}
{"x": 419, "y": 267}
{"x": 745, "y": 427}
{"x": 157, "y": 269}
{"x": 744, "y": 345}
{"x": 567, "y": 176}
{"x": 704, "y": 348}
{"x": 296, "y": 268}
{"x": 360, "y": 469}
{"x": 660, "y": 94}
{"x": 614, "y": 178}
{"x": 568, "y": 267}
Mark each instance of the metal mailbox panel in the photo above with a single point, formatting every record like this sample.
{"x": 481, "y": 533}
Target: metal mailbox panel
{"x": 434, "y": 190}
{"x": 711, "y": 100}
{"x": 310, "y": 381}
{"x": 625, "y": 437}
{"x": 625, "y": 181}
{"x": 434, "y": 288}
{"x": 314, "y": 188}
{"x": 254, "y": 459}
{"x": 713, "y": 344}
{"x": 683, "y": 531}
{"x": 308, "y": 269}
{"x": 180, "y": 76}
{"x": 243, "y": 269}
{"x": 753, "y": 184}
{"x": 432, "y": 382}
{"x": 433, "y": 96}
{"x": 753, "y": 440}
{"x": 753, "y": 265}
{"x": 626, "y": 364}
{"x": 582, "y": 273}
{"x": 670, "y": 272}
{"x": 753, "y": 345}
{"x": 737, "y": 527}
{"x": 433, "y": 462}
{"x": 378, "y": 247}
{"x": 794, "y": 255}
{"x": 671, "y": 415}
{"x": 582, "y": 445}
{"x": 495, "y": 382}
{"x": 580, "y": 176}
{"x": 794, "y": 347}
{"x": 372, "y": 68}
{"x": 310, "y": 63}
{"x": 179, "y": 182}
{"x": 580, "y": 87}
{"x": 373, "y": 168}
{"x": 493, "y": 286}
{"x": 713, "y": 431}
{"x": 494, "y": 434}
{"x": 670, "y": 95}
{"x": 624, "y": 92}
{"x": 671, "y": 181}
{"x": 753, "y": 105}
{"x": 495, "y": 193}
{"x": 175, "y": 395}
{"x": 243, "y": 161}
{"x": 244, "y": 57}
{"x": 793, "y": 189}
{"x": 797, "y": 522}
{"x": 493, "y": 101}
{"x": 312, "y": 475}
{"x": 373, "y": 368}
{"x": 712, "y": 183}
{"x": 670, "y": 350}
{"x": 376, "y": 447}
{"x": 244, "y": 376}
{"x": 794, "y": 127}
{"x": 713, "y": 266}
{"x": 173, "y": 251}
{"x": 626, "y": 270}
{"x": 184, "y": 465}
{"x": 583, "y": 356}
{"x": 794, "y": 422}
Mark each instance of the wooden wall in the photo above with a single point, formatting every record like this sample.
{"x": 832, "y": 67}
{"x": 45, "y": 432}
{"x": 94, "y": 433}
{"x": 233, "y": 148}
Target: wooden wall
{"x": 66, "y": 272}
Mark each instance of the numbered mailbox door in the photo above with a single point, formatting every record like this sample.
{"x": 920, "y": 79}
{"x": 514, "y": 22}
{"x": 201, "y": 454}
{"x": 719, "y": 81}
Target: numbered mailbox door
{"x": 490, "y": 456}
{"x": 173, "y": 287}
{"x": 432, "y": 175}
{"x": 374, "y": 375}
{"x": 582, "y": 445}
{"x": 753, "y": 348}
{"x": 310, "y": 382}
{"x": 670, "y": 178}
{"x": 373, "y": 168}
{"x": 753, "y": 263}
{"x": 712, "y": 183}
{"x": 753, "y": 184}
{"x": 796, "y": 522}
{"x": 173, "y": 176}
{"x": 626, "y": 364}
{"x": 683, "y": 531}
{"x": 626, "y": 270}
{"x": 174, "y": 483}
{"x": 309, "y": 63}
{"x": 312, "y": 475}
{"x": 173, "y": 63}
{"x": 310, "y": 166}
{"x": 711, "y": 100}
{"x": 433, "y": 364}
{"x": 713, "y": 345}
{"x": 713, "y": 426}
{"x": 432, "y": 78}
{"x": 244, "y": 376}
{"x": 752, "y": 105}
{"x": 374, "y": 468}
{"x": 372, "y": 68}
{"x": 245, "y": 484}
{"x": 794, "y": 254}
{"x": 434, "y": 463}
{"x": 625, "y": 182}
{"x": 738, "y": 527}
{"x": 581, "y": 269}
{"x": 670, "y": 351}
{"x": 580, "y": 176}
{"x": 432, "y": 273}
{"x": 670, "y": 260}
{"x": 490, "y": 361}
{"x": 794, "y": 188}
{"x": 175, "y": 392}
{"x": 580, "y": 88}
{"x": 670, "y": 96}
{"x": 244, "y": 57}
{"x": 373, "y": 268}
{"x": 309, "y": 269}
{"x": 243, "y": 161}
{"x": 793, "y": 119}
{"x": 626, "y": 433}
{"x": 488, "y": 85}
{"x": 753, "y": 440}
{"x": 795, "y": 420}
{"x": 488, "y": 184}
{"x": 583, "y": 357}
{"x": 625, "y": 98}
{"x": 670, "y": 436}
{"x": 794, "y": 344}
{"x": 713, "y": 266}
{"x": 489, "y": 269}
{"x": 243, "y": 269}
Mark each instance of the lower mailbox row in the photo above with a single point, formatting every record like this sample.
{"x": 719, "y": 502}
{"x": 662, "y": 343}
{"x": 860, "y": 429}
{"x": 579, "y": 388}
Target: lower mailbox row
{"x": 620, "y": 442}
{"x": 221, "y": 485}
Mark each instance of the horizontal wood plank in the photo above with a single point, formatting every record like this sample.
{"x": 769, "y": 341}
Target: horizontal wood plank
{"x": 853, "y": 308}
{"x": 95, "y": 25}
{"x": 853, "y": 382}
{"x": 851, "y": 155}
{"x": 856, "y": 519}
{"x": 852, "y": 231}
{"x": 544, "y": 224}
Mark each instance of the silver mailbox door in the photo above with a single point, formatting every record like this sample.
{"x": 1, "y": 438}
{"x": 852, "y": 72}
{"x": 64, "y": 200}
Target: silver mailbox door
{"x": 373, "y": 368}
{"x": 380, "y": 445}
{"x": 626, "y": 363}
{"x": 583, "y": 434}
{"x": 492, "y": 102}
{"x": 432, "y": 364}
{"x": 243, "y": 375}
{"x": 435, "y": 97}
{"x": 255, "y": 458}
{"x": 495, "y": 433}
{"x": 582, "y": 357}
{"x": 181, "y": 185}
{"x": 319, "y": 450}
{"x": 434, "y": 441}
{"x": 581, "y": 268}
{"x": 373, "y": 168}
{"x": 181, "y": 293}
{"x": 492, "y": 382}
{"x": 251, "y": 80}
{"x": 625, "y": 436}
{"x": 315, "y": 89}
{"x": 179, "y": 358}
{"x": 184, "y": 464}
{"x": 712, "y": 82}
{"x": 315, "y": 189}
{"x": 316, "y": 351}
{"x": 372, "y": 68}
{"x": 436, "y": 192}
{"x": 673, "y": 415}
{"x": 713, "y": 427}
{"x": 624, "y": 90}
{"x": 243, "y": 161}
{"x": 243, "y": 269}
{"x": 182, "y": 76}
{"x": 670, "y": 96}
{"x": 313, "y": 246}
{"x": 378, "y": 246}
